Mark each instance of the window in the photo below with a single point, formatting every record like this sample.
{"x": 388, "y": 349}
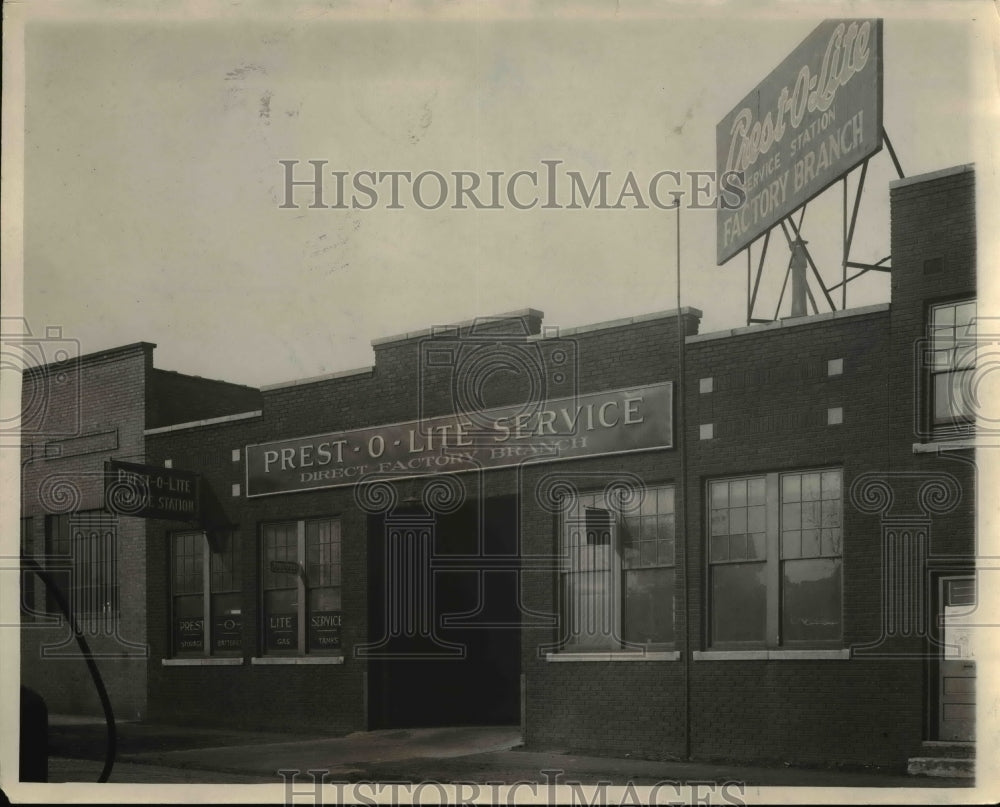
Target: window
{"x": 618, "y": 587}
{"x": 775, "y": 556}
{"x": 82, "y": 556}
{"x": 302, "y": 596}
{"x": 953, "y": 362}
{"x": 207, "y": 608}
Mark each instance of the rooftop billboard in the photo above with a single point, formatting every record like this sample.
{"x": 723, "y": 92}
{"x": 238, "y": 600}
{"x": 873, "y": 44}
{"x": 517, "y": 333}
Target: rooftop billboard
{"x": 814, "y": 118}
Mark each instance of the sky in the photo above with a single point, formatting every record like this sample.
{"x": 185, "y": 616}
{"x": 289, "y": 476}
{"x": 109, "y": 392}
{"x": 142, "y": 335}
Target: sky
{"x": 152, "y": 187}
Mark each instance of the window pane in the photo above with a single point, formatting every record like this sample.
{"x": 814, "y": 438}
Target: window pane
{"x": 811, "y": 600}
{"x": 964, "y": 314}
{"x": 738, "y": 493}
{"x": 830, "y": 542}
{"x": 281, "y": 620}
{"x": 720, "y": 522}
{"x": 720, "y": 547}
{"x": 227, "y": 622}
{"x": 831, "y": 513}
{"x": 810, "y": 487}
{"x": 647, "y": 556}
{"x": 720, "y": 494}
{"x": 666, "y": 500}
{"x": 791, "y": 544}
{"x": 791, "y": 516}
{"x": 943, "y": 316}
{"x": 757, "y": 546}
{"x": 756, "y": 491}
{"x": 738, "y": 520}
{"x": 756, "y": 519}
{"x": 791, "y": 488}
{"x": 811, "y": 511}
{"x": 738, "y": 547}
{"x": 189, "y": 625}
{"x": 665, "y": 551}
{"x": 738, "y": 603}
{"x": 810, "y": 543}
{"x": 649, "y": 606}
{"x": 831, "y": 484}
{"x": 325, "y": 619}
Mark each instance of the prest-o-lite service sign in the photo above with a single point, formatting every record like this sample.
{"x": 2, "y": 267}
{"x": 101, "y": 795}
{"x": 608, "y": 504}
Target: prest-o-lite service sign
{"x": 613, "y": 422}
{"x": 813, "y": 119}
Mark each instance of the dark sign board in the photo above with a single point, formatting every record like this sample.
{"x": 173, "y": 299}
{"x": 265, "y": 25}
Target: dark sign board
{"x": 635, "y": 419}
{"x": 285, "y": 567}
{"x": 813, "y": 119}
{"x": 150, "y": 491}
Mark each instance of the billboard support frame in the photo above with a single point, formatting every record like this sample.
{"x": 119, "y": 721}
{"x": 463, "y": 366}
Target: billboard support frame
{"x": 849, "y": 225}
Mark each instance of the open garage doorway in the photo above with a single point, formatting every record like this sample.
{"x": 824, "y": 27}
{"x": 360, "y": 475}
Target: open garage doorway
{"x": 443, "y": 617}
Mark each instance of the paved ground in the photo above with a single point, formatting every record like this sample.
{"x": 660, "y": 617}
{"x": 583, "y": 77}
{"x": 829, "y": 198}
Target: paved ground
{"x": 171, "y": 754}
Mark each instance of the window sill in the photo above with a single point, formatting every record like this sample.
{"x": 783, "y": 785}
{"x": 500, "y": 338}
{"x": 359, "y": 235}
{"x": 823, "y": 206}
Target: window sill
{"x": 207, "y": 661}
{"x": 297, "y": 660}
{"x": 933, "y": 446}
{"x": 769, "y": 655}
{"x": 651, "y": 655}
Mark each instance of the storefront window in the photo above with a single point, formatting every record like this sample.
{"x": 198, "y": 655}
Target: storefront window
{"x": 618, "y": 591}
{"x": 302, "y": 591}
{"x": 207, "y": 608}
{"x": 776, "y": 538}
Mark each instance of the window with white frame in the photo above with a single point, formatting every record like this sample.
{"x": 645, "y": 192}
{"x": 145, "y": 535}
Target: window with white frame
{"x": 207, "y": 612}
{"x": 618, "y": 585}
{"x": 952, "y": 331}
{"x": 301, "y": 573}
{"x": 81, "y": 550}
{"x": 775, "y": 560}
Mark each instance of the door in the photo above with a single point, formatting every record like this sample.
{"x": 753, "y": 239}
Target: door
{"x": 957, "y": 677}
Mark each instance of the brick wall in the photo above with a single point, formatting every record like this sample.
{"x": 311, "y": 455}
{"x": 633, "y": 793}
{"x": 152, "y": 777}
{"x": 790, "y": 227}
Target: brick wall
{"x": 178, "y": 398}
{"x": 94, "y": 412}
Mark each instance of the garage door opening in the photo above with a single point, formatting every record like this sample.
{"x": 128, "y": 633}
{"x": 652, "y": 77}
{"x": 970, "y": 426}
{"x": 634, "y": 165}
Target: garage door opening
{"x": 443, "y": 617}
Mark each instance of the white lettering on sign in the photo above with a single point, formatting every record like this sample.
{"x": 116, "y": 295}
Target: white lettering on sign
{"x": 846, "y": 54}
{"x": 591, "y": 424}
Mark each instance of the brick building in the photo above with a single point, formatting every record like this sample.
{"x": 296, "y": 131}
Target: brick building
{"x": 737, "y": 550}
{"x": 78, "y": 412}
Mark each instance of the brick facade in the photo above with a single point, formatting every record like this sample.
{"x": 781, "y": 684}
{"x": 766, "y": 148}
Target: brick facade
{"x": 840, "y": 391}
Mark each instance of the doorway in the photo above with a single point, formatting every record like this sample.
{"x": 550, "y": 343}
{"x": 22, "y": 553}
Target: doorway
{"x": 443, "y": 617}
{"x": 957, "y": 668}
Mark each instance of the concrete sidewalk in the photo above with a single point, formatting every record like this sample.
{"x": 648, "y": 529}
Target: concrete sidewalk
{"x": 451, "y": 754}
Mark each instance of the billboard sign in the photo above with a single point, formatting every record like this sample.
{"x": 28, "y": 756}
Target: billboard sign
{"x": 813, "y": 119}
{"x": 635, "y": 419}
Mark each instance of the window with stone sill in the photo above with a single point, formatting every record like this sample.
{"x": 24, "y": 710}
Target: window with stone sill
{"x": 952, "y": 366}
{"x": 206, "y": 609}
{"x": 301, "y": 573}
{"x": 618, "y": 588}
{"x": 775, "y": 550}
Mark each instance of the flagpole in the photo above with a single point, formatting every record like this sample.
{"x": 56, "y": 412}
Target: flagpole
{"x": 680, "y": 532}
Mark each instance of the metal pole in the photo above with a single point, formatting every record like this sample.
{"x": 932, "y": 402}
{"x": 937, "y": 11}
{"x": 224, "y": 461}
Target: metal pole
{"x": 681, "y": 537}
{"x": 843, "y": 292}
